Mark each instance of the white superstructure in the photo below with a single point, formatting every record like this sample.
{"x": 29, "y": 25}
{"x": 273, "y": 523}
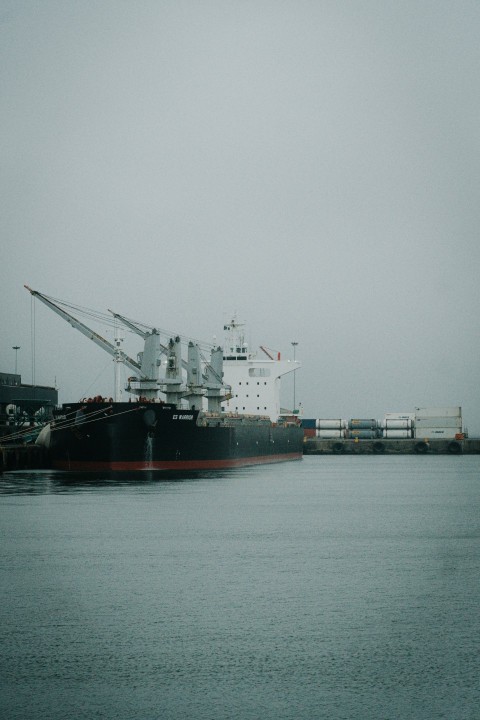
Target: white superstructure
{"x": 255, "y": 381}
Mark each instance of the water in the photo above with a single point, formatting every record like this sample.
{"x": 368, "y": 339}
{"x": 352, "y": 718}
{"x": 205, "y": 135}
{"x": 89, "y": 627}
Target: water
{"x": 335, "y": 587}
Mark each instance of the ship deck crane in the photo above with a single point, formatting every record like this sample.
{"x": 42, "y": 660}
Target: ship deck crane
{"x": 149, "y": 383}
{"x": 88, "y": 332}
{"x": 112, "y": 349}
{"x": 143, "y": 333}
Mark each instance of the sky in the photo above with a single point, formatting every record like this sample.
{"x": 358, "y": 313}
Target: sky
{"x": 312, "y": 166}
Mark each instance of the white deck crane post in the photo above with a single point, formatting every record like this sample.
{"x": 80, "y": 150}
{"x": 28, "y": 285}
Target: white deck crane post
{"x": 145, "y": 335}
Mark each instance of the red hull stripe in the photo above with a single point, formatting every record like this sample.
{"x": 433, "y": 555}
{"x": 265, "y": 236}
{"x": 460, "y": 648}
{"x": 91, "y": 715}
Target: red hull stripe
{"x": 173, "y": 464}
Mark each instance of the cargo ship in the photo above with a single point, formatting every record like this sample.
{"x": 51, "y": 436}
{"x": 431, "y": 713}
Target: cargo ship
{"x": 190, "y": 414}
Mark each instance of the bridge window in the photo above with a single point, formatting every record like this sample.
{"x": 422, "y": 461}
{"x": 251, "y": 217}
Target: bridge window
{"x": 259, "y": 372}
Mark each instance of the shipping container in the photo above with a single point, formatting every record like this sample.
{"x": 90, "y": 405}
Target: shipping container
{"x": 438, "y": 412}
{"x": 325, "y": 434}
{"x": 399, "y": 416}
{"x": 433, "y": 433}
{"x": 397, "y": 434}
{"x": 309, "y": 423}
{"x": 363, "y": 434}
{"x": 397, "y": 424}
{"x": 309, "y": 432}
{"x": 329, "y": 424}
{"x": 439, "y": 422}
{"x": 361, "y": 424}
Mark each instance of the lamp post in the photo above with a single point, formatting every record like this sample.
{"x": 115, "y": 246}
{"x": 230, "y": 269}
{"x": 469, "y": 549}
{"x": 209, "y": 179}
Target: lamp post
{"x": 16, "y": 348}
{"x": 294, "y": 343}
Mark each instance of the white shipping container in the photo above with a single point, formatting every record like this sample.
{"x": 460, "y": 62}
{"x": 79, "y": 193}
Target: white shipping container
{"x": 397, "y": 433}
{"x": 438, "y": 412}
{"x": 397, "y": 423}
{"x": 329, "y": 424}
{"x": 435, "y": 433}
{"x": 439, "y": 422}
{"x": 399, "y": 416}
{"x": 326, "y": 434}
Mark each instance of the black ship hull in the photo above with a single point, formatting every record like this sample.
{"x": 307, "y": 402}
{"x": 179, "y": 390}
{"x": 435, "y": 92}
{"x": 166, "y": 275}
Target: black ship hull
{"x": 155, "y": 436}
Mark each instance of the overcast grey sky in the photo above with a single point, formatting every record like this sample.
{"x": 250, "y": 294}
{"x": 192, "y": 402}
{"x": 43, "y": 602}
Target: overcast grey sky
{"x": 313, "y": 166}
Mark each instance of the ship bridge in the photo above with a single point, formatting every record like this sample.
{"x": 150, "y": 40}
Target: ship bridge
{"x": 255, "y": 380}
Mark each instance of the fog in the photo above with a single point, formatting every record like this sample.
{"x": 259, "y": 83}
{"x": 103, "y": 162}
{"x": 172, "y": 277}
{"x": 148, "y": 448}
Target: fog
{"x": 310, "y": 166}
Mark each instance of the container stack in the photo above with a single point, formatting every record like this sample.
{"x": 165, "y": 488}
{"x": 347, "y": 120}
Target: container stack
{"x": 363, "y": 429}
{"x": 398, "y": 425}
{"x": 424, "y": 423}
{"x": 309, "y": 426}
{"x": 328, "y": 428}
{"x": 442, "y": 423}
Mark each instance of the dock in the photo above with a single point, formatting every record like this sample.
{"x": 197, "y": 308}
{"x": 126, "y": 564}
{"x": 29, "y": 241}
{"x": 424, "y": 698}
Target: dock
{"x": 23, "y": 457}
{"x": 410, "y": 446}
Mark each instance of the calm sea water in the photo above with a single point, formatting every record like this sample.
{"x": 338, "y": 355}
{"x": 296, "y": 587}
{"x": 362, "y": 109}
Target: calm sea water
{"x": 334, "y": 587}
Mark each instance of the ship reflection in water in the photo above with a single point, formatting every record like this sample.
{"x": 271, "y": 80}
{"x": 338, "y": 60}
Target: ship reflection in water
{"x": 38, "y": 482}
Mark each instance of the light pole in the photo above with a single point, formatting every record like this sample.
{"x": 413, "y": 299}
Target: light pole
{"x": 16, "y": 348}
{"x": 294, "y": 343}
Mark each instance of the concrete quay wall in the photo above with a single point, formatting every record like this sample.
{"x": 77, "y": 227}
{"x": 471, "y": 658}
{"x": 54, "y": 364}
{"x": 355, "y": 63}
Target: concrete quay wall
{"x": 23, "y": 457}
{"x": 316, "y": 446}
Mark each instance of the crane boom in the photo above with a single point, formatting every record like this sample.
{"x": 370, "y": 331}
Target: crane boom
{"x": 268, "y": 352}
{"x": 130, "y": 324}
{"x": 143, "y": 334}
{"x": 88, "y": 332}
